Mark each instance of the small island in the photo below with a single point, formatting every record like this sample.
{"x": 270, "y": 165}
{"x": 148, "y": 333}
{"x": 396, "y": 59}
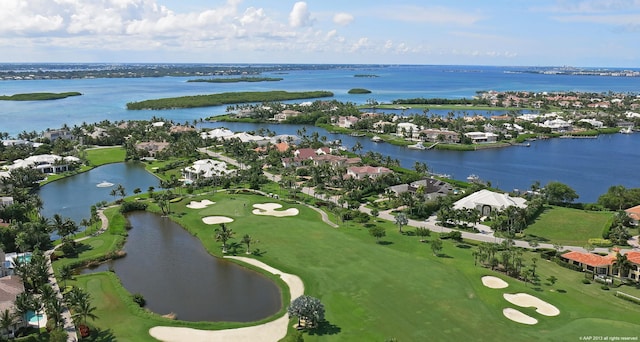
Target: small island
{"x": 359, "y": 91}
{"x": 38, "y": 96}
{"x": 237, "y": 79}
{"x": 197, "y": 101}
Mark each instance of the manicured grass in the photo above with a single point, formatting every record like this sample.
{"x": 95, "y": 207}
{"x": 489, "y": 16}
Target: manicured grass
{"x": 102, "y": 155}
{"x": 373, "y": 292}
{"x": 569, "y": 227}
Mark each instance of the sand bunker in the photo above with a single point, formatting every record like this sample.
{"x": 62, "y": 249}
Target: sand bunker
{"x": 518, "y": 316}
{"x": 494, "y": 282}
{"x": 526, "y": 300}
{"x": 199, "y": 205}
{"x": 270, "y": 210}
{"x": 216, "y": 219}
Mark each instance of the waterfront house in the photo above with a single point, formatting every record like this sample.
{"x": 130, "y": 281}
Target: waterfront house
{"x": 489, "y": 201}
{"x": 363, "y": 172}
{"x": 151, "y": 148}
{"x": 408, "y": 130}
{"x": 304, "y": 154}
{"x": 177, "y": 129}
{"x": 46, "y": 163}
{"x": 54, "y": 134}
{"x": 482, "y": 137}
{"x": 285, "y": 115}
{"x": 435, "y": 135}
{"x": 218, "y": 133}
{"x": 431, "y": 188}
{"x": 347, "y": 121}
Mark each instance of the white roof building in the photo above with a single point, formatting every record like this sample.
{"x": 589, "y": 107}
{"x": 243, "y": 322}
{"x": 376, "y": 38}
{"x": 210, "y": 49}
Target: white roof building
{"x": 246, "y": 137}
{"x": 205, "y": 168}
{"x": 487, "y": 201}
{"x": 46, "y": 163}
{"x": 216, "y": 133}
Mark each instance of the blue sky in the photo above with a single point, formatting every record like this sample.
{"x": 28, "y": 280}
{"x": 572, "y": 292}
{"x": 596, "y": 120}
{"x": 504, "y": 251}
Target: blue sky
{"x": 540, "y": 33}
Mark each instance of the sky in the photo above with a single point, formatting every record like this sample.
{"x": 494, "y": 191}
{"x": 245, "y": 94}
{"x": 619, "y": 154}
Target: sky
{"x": 580, "y": 33}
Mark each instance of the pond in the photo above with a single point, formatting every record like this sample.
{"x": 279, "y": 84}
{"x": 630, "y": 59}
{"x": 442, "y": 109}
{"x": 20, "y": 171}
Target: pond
{"x": 73, "y": 196}
{"x": 175, "y": 274}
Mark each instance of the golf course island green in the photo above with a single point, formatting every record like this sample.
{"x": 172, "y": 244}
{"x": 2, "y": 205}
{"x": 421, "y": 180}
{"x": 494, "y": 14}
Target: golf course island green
{"x": 196, "y": 101}
{"x": 237, "y": 79}
{"x": 38, "y": 96}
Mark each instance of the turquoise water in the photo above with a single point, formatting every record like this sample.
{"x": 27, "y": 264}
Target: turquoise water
{"x": 24, "y": 258}
{"x": 33, "y": 318}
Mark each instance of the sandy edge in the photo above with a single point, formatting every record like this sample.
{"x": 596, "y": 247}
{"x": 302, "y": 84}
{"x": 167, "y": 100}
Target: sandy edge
{"x": 518, "y": 316}
{"x": 526, "y": 300}
{"x": 272, "y": 331}
{"x": 494, "y": 282}
{"x": 216, "y": 219}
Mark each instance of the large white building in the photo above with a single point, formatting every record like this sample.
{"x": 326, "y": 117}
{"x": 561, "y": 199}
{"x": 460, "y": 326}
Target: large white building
{"x": 205, "y": 168}
{"x": 488, "y": 201}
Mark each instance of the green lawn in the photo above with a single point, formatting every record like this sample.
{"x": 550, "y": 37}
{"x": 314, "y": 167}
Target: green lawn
{"x": 101, "y": 156}
{"x": 569, "y": 227}
{"x": 373, "y": 292}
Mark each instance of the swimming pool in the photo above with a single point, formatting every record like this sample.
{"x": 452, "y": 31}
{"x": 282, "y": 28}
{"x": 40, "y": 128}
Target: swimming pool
{"x": 33, "y": 318}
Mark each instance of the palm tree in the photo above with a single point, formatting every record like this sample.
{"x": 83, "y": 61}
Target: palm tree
{"x": 7, "y": 320}
{"x": 622, "y": 264}
{"x": 223, "y": 234}
{"x": 23, "y": 304}
{"x": 84, "y": 310}
{"x": 247, "y": 240}
{"x": 66, "y": 273}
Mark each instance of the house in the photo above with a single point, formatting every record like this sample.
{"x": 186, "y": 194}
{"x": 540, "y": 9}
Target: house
{"x": 381, "y": 125}
{"x": 593, "y": 122}
{"x": 246, "y": 137}
{"x": 10, "y": 287}
{"x": 54, "y": 134}
{"x": 205, "y": 168}
{"x": 482, "y": 137}
{"x": 152, "y": 147}
{"x": 557, "y": 125}
{"x": 181, "y": 129}
{"x": 634, "y": 214}
{"x": 488, "y": 201}
{"x": 435, "y": 135}
{"x": 285, "y": 115}
{"x": 430, "y": 187}
{"x": 408, "y": 130}
{"x": 5, "y": 201}
{"x": 304, "y": 154}
{"x": 362, "y": 172}
{"x": 347, "y": 121}
{"x": 218, "y": 133}
{"x": 604, "y": 265}
{"x": 333, "y": 160}
{"x": 45, "y": 163}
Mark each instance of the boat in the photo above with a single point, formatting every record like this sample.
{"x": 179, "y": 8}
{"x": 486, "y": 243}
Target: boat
{"x": 417, "y": 146}
{"x": 627, "y": 130}
{"x": 356, "y": 134}
{"x": 104, "y": 184}
{"x": 376, "y": 139}
{"x": 473, "y": 178}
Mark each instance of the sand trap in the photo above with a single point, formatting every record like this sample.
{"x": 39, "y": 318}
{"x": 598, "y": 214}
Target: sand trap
{"x": 526, "y": 300}
{"x": 269, "y": 209}
{"x": 272, "y": 331}
{"x": 494, "y": 282}
{"x": 518, "y": 316}
{"x": 199, "y": 205}
{"x": 216, "y": 219}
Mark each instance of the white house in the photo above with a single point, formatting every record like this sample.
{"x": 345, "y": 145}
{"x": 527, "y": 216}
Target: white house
{"x": 487, "y": 201}
{"x": 362, "y": 172}
{"x": 482, "y": 137}
{"x": 593, "y": 122}
{"x": 408, "y": 129}
{"x": 205, "y": 168}
{"x": 220, "y": 133}
{"x": 46, "y": 163}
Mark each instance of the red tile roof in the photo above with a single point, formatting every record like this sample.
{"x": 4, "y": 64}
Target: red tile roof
{"x": 634, "y": 212}
{"x": 590, "y": 259}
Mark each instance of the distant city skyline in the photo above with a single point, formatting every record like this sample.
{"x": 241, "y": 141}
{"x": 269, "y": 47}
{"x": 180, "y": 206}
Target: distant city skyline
{"x": 580, "y": 33}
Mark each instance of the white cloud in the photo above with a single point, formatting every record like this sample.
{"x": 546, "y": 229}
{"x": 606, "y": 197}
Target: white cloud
{"x": 300, "y": 16}
{"x": 431, "y": 15}
{"x": 343, "y": 19}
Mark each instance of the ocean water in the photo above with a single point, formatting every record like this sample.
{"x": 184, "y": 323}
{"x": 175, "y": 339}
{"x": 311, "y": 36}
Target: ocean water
{"x": 590, "y": 166}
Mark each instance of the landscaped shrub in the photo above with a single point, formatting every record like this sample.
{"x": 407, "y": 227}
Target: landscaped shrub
{"x": 605, "y": 287}
{"x": 628, "y": 297}
{"x": 568, "y": 265}
{"x": 586, "y": 281}
{"x": 600, "y": 242}
{"x": 139, "y": 299}
{"x": 547, "y": 253}
{"x": 132, "y": 206}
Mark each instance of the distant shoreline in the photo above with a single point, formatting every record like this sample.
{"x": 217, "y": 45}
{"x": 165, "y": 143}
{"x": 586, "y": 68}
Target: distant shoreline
{"x": 38, "y": 96}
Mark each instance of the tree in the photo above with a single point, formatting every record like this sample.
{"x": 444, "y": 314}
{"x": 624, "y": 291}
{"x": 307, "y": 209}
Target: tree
{"x": 84, "y": 310}
{"x": 622, "y": 264}
{"x": 7, "y": 321}
{"x": 377, "y": 232}
{"x": 422, "y": 232}
{"x": 247, "y": 240}
{"x": 552, "y": 280}
{"x": 436, "y": 246}
{"x": 559, "y": 193}
{"x": 223, "y": 234}
{"x": 401, "y": 220}
{"x": 307, "y": 308}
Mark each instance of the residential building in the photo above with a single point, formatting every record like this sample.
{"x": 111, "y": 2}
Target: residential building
{"x": 435, "y": 135}
{"x": 54, "y": 134}
{"x": 152, "y": 148}
{"x": 205, "y": 168}
{"x": 634, "y": 214}
{"x": 46, "y": 163}
{"x": 489, "y": 201}
{"x": 605, "y": 265}
{"x": 362, "y": 172}
{"x": 285, "y": 115}
{"x": 482, "y": 137}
